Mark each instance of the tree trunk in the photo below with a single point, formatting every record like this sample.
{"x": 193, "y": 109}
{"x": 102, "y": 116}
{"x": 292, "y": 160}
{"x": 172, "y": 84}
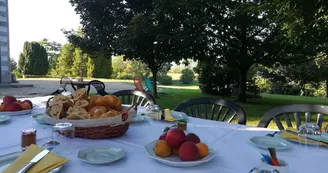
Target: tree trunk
{"x": 327, "y": 87}
{"x": 154, "y": 72}
{"x": 241, "y": 95}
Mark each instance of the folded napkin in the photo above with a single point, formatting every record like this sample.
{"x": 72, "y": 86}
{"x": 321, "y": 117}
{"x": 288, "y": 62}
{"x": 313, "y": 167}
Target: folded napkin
{"x": 294, "y": 137}
{"x": 47, "y": 163}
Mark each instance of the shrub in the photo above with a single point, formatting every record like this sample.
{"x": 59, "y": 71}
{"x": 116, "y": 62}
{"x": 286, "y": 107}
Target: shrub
{"x": 17, "y": 74}
{"x": 128, "y": 69}
{"x": 165, "y": 80}
{"x": 187, "y": 76}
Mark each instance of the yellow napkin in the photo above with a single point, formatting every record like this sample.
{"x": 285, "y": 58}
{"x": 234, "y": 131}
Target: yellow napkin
{"x": 291, "y": 136}
{"x": 47, "y": 163}
{"x": 167, "y": 115}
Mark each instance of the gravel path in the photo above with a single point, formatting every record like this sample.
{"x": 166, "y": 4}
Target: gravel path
{"x": 46, "y": 87}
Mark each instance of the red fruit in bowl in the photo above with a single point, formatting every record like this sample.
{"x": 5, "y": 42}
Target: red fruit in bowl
{"x": 29, "y": 102}
{"x": 175, "y": 137}
{"x": 191, "y": 137}
{"x": 163, "y": 136}
{"x": 11, "y": 107}
{"x": 188, "y": 151}
{"x": 9, "y": 99}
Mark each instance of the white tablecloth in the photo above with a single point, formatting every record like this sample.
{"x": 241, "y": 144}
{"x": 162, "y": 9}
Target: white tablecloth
{"x": 235, "y": 153}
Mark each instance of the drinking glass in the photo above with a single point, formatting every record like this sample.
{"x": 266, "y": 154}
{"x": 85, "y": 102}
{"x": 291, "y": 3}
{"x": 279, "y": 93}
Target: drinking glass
{"x": 309, "y": 135}
{"x": 63, "y": 133}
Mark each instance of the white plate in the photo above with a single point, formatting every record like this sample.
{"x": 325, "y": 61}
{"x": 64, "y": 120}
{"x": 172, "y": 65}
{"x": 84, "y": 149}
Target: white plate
{"x": 4, "y": 118}
{"x": 101, "y": 155}
{"x": 16, "y": 113}
{"x": 266, "y": 142}
{"x": 6, "y": 160}
{"x": 175, "y": 160}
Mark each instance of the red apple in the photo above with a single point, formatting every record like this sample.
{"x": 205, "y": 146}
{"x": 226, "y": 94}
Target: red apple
{"x": 188, "y": 151}
{"x": 13, "y": 107}
{"x": 175, "y": 137}
{"x": 29, "y": 102}
{"x": 191, "y": 137}
{"x": 9, "y": 99}
{"x": 163, "y": 136}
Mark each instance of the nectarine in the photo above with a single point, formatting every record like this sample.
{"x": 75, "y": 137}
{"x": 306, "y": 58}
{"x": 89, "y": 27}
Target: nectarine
{"x": 175, "y": 137}
{"x": 163, "y": 136}
{"x": 188, "y": 151}
{"x": 191, "y": 137}
{"x": 203, "y": 149}
{"x": 13, "y": 107}
{"x": 29, "y": 102}
{"x": 9, "y": 99}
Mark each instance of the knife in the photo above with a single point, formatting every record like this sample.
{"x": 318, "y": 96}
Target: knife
{"x": 34, "y": 160}
{"x": 317, "y": 140}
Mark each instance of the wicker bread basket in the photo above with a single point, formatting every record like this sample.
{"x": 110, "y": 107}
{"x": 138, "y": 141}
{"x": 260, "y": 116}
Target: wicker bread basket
{"x": 99, "y": 128}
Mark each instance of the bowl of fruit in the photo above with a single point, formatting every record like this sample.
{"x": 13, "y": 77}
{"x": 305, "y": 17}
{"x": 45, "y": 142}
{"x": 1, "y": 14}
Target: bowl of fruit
{"x": 175, "y": 148}
{"x": 13, "y": 106}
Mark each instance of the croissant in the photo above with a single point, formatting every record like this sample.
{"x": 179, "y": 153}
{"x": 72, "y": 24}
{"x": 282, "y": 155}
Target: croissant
{"x": 57, "y": 111}
{"x": 80, "y": 94}
{"x": 81, "y": 104}
{"x": 61, "y": 99}
{"x": 78, "y": 116}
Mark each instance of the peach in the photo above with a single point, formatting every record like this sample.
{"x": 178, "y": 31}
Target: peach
{"x": 162, "y": 149}
{"x": 9, "y": 99}
{"x": 29, "y": 102}
{"x": 26, "y": 106}
{"x": 13, "y": 107}
{"x": 188, "y": 151}
{"x": 191, "y": 137}
{"x": 175, "y": 151}
{"x": 2, "y": 107}
{"x": 175, "y": 137}
{"x": 163, "y": 136}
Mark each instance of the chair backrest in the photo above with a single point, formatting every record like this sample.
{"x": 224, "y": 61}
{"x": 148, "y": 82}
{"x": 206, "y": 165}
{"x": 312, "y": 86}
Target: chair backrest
{"x": 149, "y": 84}
{"x": 141, "y": 98}
{"x": 99, "y": 86}
{"x": 214, "y": 109}
{"x": 66, "y": 80}
{"x": 296, "y": 111}
{"x": 138, "y": 83}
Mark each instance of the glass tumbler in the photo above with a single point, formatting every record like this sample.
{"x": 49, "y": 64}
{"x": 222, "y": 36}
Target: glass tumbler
{"x": 63, "y": 133}
{"x": 309, "y": 135}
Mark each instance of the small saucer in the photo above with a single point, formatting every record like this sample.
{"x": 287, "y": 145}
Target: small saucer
{"x": 4, "y": 118}
{"x": 101, "y": 155}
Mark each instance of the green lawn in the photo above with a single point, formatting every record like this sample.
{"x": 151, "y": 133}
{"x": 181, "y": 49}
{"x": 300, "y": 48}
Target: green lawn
{"x": 254, "y": 108}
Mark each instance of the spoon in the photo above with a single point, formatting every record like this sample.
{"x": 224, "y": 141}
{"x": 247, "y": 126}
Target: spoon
{"x": 50, "y": 143}
{"x": 272, "y": 135}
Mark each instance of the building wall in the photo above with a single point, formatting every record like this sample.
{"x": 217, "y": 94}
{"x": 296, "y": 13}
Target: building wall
{"x": 5, "y": 77}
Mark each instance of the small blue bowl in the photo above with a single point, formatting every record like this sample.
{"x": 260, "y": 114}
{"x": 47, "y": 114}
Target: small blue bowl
{"x": 38, "y": 118}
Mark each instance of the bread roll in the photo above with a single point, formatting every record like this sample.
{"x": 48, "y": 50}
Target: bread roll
{"x": 111, "y": 113}
{"x": 81, "y": 104}
{"x": 57, "y": 111}
{"x": 112, "y": 102}
{"x": 97, "y": 111}
{"x": 92, "y": 100}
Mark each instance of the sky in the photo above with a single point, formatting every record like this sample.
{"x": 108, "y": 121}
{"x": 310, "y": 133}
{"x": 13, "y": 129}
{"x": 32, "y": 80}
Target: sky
{"x": 33, "y": 20}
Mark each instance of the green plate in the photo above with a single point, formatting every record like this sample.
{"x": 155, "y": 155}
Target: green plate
{"x": 38, "y": 118}
{"x": 4, "y": 118}
{"x": 101, "y": 155}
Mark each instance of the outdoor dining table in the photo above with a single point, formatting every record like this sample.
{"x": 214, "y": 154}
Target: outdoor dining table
{"x": 235, "y": 153}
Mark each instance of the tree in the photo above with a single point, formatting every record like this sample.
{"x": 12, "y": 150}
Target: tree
{"x": 79, "y": 63}
{"x": 33, "y": 60}
{"x": 99, "y": 67}
{"x": 65, "y": 60}
{"x": 53, "y": 49}
{"x": 129, "y": 68}
{"x": 13, "y": 65}
{"x": 139, "y": 30}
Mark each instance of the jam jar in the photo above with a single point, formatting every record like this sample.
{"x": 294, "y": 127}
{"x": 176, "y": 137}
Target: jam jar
{"x": 28, "y": 138}
{"x": 182, "y": 125}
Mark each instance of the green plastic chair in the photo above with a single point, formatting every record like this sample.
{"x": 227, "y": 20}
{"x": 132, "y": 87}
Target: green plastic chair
{"x": 149, "y": 87}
